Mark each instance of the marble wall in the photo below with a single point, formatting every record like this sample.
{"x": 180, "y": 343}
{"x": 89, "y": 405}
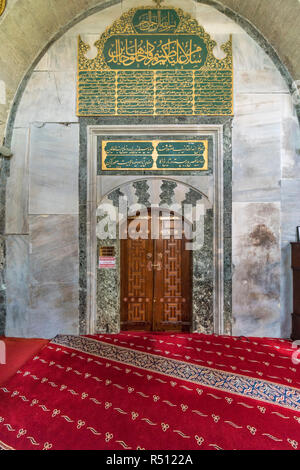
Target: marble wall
{"x": 42, "y": 231}
{"x": 266, "y": 161}
{"x": 256, "y": 258}
{"x": 42, "y": 190}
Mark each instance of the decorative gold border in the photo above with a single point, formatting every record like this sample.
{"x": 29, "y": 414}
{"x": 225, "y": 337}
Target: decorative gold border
{"x": 123, "y": 25}
{"x": 154, "y": 168}
{"x": 2, "y": 6}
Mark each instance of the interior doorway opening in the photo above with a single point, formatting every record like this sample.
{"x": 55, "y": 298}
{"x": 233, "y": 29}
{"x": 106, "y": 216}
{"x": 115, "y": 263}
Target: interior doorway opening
{"x": 209, "y": 290}
{"x": 156, "y": 273}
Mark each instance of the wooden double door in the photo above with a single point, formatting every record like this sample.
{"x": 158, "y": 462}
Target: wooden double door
{"x": 156, "y": 281}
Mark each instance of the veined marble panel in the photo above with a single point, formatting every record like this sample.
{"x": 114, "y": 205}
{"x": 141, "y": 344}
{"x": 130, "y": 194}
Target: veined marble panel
{"x": 106, "y": 183}
{"x": 259, "y": 81}
{"x": 290, "y": 204}
{"x": 48, "y": 97}
{"x": 290, "y": 139}
{"x": 53, "y": 249}
{"x": 254, "y": 71}
{"x": 258, "y": 109}
{"x": 286, "y": 290}
{"x": 53, "y": 275}
{"x": 53, "y": 169}
{"x": 204, "y": 184}
{"x": 61, "y": 56}
{"x": 257, "y": 148}
{"x": 53, "y": 308}
{"x": 130, "y": 193}
{"x": 180, "y": 193}
{"x": 108, "y": 293}
{"x": 256, "y": 276}
{"x": 17, "y": 285}
{"x": 248, "y": 55}
{"x": 17, "y": 188}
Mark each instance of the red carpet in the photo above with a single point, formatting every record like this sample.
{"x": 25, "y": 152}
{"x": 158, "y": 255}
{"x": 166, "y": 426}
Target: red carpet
{"x": 18, "y": 351}
{"x": 147, "y": 391}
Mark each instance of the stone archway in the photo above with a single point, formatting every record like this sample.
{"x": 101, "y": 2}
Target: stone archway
{"x": 158, "y": 193}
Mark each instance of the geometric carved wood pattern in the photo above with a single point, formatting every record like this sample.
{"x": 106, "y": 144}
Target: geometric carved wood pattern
{"x": 155, "y": 283}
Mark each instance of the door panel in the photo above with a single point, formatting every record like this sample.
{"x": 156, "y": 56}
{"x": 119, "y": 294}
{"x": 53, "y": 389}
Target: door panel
{"x": 172, "y": 285}
{"x": 136, "y": 284}
{"x": 155, "y": 284}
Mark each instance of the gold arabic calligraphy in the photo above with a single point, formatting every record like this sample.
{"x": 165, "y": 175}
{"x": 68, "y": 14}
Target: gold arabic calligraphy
{"x": 153, "y": 21}
{"x": 150, "y": 53}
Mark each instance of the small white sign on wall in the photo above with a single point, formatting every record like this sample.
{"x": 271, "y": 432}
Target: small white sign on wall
{"x": 107, "y": 257}
{"x": 107, "y": 262}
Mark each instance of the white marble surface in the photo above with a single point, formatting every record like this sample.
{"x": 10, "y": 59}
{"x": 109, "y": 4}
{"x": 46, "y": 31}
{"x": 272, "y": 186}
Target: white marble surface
{"x": 53, "y": 169}
{"x": 53, "y": 276}
{"x": 49, "y": 97}
{"x": 62, "y": 56}
{"x": 290, "y": 203}
{"x": 256, "y": 275}
{"x": 257, "y": 148}
{"x": 107, "y": 183}
{"x": 17, "y": 281}
{"x": 180, "y": 193}
{"x": 17, "y": 188}
{"x": 286, "y": 290}
{"x": 290, "y": 140}
{"x": 53, "y": 310}
{"x": 53, "y": 249}
{"x": 259, "y": 81}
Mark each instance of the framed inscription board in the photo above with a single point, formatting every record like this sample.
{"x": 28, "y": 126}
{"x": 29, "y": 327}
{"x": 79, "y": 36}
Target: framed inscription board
{"x": 154, "y": 155}
{"x": 155, "y": 61}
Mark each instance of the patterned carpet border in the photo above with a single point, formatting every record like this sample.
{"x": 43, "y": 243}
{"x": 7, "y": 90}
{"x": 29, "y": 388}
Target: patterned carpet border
{"x": 265, "y": 391}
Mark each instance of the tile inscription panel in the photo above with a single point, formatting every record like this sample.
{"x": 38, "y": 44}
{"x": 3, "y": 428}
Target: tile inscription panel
{"x": 154, "y": 155}
{"x": 154, "y": 61}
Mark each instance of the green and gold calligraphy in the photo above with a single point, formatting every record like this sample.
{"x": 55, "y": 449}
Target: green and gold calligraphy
{"x": 154, "y": 155}
{"x": 155, "y": 62}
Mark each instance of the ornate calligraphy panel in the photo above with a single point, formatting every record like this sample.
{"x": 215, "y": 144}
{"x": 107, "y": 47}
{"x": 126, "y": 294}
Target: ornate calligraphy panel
{"x": 154, "y": 61}
{"x": 154, "y": 155}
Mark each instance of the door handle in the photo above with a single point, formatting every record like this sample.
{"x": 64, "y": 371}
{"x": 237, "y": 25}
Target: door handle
{"x": 150, "y": 266}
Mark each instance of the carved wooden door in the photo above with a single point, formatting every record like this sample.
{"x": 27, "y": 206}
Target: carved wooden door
{"x": 155, "y": 284}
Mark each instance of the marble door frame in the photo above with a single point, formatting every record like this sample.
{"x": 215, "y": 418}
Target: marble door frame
{"x": 192, "y": 130}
